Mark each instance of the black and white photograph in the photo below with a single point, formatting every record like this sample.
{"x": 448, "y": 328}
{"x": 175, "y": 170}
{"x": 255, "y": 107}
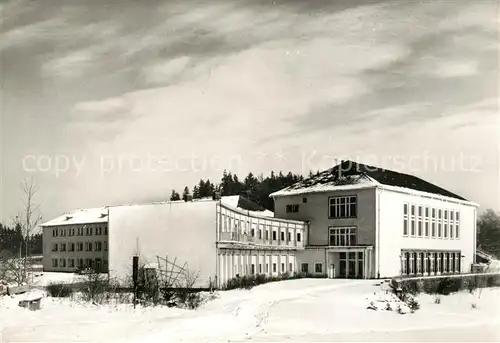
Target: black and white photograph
{"x": 249, "y": 171}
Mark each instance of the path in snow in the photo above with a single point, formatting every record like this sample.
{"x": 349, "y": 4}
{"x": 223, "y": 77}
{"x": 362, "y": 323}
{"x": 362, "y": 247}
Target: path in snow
{"x": 297, "y": 310}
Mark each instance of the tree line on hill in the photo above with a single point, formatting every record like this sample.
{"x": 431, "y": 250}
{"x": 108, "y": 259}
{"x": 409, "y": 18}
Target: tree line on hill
{"x": 255, "y": 188}
{"x": 13, "y": 242}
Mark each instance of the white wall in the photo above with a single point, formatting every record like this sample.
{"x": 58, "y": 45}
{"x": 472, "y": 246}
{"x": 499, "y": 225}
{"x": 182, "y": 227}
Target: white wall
{"x": 391, "y": 239}
{"x": 186, "y": 231}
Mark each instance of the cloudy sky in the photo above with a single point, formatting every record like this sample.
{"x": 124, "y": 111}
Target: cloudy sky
{"x": 119, "y": 102}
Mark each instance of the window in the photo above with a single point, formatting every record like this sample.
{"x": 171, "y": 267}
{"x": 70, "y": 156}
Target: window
{"x": 71, "y": 263}
{"x": 419, "y": 228}
{"x": 267, "y": 234}
{"x": 54, "y": 247}
{"x": 260, "y": 233}
{"x": 445, "y": 230}
{"x": 440, "y": 230}
{"x": 298, "y": 236}
{"x": 54, "y": 233}
{"x": 290, "y": 267}
{"x": 289, "y": 236}
{"x": 105, "y": 230}
{"x": 62, "y": 247}
{"x": 71, "y": 246}
{"x": 282, "y": 235}
{"x": 54, "y": 262}
{"x": 433, "y": 230}
{"x": 88, "y": 246}
{"x": 342, "y": 236}
{"x": 260, "y": 268}
{"x": 62, "y": 262}
{"x": 98, "y": 230}
{"x": 405, "y": 220}
{"x": 98, "y": 246}
{"x": 274, "y": 235}
{"x": 343, "y": 207}
{"x": 105, "y": 246}
{"x": 426, "y": 222}
{"x": 89, "y": 231}
{"x": 274, "y": 267}
{"x": 304, "y": 200}
{"x": 267, "y": 268}
{"x": 253, "y": 269}
{"x": 304, "y": 268}
{"x": 282, "y": 267}
{"x": 457, "y": 225}
{"x": 252, "y": 232}
{"x": 292, "y": 208}
{"x": 318, "y": 267}
{"x": 413, "y": 222}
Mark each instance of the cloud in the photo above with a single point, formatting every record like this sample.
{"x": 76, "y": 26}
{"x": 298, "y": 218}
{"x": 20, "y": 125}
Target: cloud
{"x": 71, "y": 65}
{"x": 163, "y": 72}
{"x": 103, "y": 111}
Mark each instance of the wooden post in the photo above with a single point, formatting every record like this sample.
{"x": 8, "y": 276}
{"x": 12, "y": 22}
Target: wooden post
{"x": 135, "y": 270}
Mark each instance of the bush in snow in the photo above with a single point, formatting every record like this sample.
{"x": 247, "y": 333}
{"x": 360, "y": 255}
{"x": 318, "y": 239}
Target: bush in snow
{"x": 412, "y": 304}
{"x": 59, "y": 290}
{"x": 388, "y": 307}
{"x": 437, "y": 299}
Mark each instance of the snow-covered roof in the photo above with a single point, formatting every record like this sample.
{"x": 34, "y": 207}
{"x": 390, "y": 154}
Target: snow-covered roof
{"x": 353, "y": 175}
{"x": 81, "y": 216}
{"x": 241, "y": 203}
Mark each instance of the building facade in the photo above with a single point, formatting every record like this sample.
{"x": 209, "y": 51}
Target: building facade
{"x": 76, "y": 240}
{"x": 351, "y": 221}
{"x": 250, "y": 243}
{"x": 365, "y": 222}
{"x": 217, "y": 238}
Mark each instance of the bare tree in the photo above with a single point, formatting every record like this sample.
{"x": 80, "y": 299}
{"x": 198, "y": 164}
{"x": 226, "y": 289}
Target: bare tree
{"x": 28, "y": 220}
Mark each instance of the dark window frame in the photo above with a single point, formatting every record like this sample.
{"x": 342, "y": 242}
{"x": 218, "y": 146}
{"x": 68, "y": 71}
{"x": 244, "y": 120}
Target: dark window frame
{"x": 355, "y": 196}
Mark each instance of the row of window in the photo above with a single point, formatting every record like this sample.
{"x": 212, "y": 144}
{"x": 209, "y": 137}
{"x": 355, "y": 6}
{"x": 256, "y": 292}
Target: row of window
{"x": 429, "y": 263}
{"x": 275, "y": 235}
{"x": 338, "y": 207}
{"x": 89, "y": 246}
{"x": 253, "y": 271}
{"x": 424, "y": 221}
{"x": 81, "y": 231}
{"x": 343, "y": 236}
{"x": 318, "y": 268}
{"x": 79, "y": 263}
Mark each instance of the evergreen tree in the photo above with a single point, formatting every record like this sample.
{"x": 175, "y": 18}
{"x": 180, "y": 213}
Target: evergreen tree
{"x": 185, "y": 194}
{"x": 196, "y": 192}
{"x": 175, "y": 196}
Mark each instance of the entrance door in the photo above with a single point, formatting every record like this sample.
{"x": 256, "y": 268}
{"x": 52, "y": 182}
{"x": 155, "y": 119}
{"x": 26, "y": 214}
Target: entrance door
{"x": 343, "y": 269}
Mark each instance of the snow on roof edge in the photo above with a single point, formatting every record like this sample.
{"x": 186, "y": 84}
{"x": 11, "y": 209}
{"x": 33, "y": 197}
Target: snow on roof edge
{"x": 322, "y": 189}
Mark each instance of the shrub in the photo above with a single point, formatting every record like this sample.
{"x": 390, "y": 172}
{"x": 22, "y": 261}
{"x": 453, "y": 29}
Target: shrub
{"x": 413, "y": 304}
{"x": 59, "y": 290}
{"x": 448, "y": 284}
{"x": 437, "y": 299}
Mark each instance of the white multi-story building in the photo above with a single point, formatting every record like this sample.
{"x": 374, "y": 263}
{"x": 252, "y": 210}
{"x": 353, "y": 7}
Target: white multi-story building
{"x": 78, "y": 239}
{"x": 367, "y": 222}
{"x": 351, "y": 221}
{"x": 219, "y": 238}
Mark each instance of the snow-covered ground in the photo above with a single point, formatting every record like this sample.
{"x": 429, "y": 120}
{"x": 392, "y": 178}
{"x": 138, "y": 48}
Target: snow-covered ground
{"x": 296, "y": 310}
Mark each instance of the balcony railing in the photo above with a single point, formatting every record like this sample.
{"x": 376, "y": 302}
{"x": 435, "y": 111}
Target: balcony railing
{"x": 236, "y": 237}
